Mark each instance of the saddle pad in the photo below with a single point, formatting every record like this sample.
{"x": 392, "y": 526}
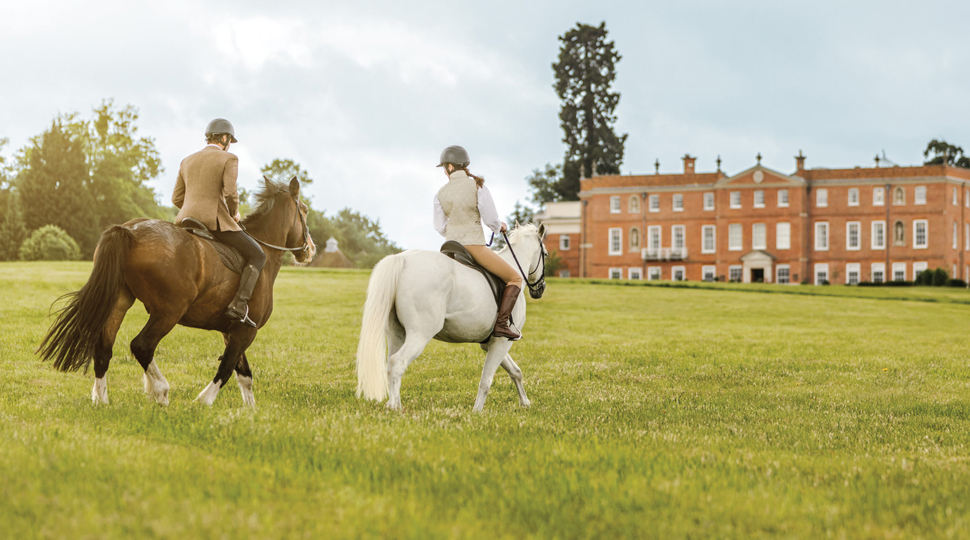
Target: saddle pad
{"x": 229, "y": 255}
{"x": 458, "y": 252}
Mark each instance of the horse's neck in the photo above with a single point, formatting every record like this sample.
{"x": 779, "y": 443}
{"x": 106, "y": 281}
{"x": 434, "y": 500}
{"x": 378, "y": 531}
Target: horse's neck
{"x": 525, "y": 254}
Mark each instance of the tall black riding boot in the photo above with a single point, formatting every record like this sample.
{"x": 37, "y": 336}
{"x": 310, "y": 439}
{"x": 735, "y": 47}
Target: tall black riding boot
{"x": 239, "y": 308}
{"x": 502, "y": 328}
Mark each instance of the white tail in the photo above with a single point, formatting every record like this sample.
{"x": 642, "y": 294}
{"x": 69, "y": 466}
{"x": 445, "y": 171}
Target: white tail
{"x": 372, "y": 348}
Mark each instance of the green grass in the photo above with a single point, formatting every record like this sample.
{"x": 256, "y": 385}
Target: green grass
{"x": 657, "y": 413}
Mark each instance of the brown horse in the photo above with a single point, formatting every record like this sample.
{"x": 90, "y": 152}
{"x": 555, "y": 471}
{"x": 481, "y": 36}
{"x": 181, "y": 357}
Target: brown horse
{"x": 180, "y": 280}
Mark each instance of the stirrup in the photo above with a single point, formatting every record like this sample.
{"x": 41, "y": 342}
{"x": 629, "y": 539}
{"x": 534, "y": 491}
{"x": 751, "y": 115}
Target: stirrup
{"x": 510, "y": 329}
{"x": 244, "y": 319}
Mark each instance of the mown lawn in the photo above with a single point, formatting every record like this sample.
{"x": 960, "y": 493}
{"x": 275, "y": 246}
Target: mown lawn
{"x": 657, "y": 413}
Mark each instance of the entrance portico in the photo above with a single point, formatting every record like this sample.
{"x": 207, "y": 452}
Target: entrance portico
{"x": 757, "y": 267}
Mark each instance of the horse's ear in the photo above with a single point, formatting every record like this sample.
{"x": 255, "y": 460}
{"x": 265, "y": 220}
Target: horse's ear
{"x": 294, "y": 187}
{"x": 542, "y": 231}
{"x": 266, "y": 181}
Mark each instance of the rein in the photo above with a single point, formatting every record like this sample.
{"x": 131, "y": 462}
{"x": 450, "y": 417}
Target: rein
{"x": 537, "y": 287}
{"x": 306, "y": 233}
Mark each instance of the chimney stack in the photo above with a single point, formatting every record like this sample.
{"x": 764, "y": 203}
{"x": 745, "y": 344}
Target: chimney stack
{"x": 799, "y": 162}
{"x": 689, "y": 164}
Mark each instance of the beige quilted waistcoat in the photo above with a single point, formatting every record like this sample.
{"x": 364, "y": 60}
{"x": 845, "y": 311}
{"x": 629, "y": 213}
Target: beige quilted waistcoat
{"x": 459, "y": 200}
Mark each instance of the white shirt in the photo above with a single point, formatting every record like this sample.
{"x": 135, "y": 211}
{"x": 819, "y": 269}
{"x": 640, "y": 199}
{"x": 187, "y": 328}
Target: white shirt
{"x": 486, "y": 208}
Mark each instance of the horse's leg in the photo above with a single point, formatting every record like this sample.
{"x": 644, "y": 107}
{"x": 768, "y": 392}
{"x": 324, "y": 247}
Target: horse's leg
{"x": 143, "y": 347}
{"x": 239, "y": 340}
{"x": 498, "y": 349}
{"x": 412, "y": 346}
{"x": 515, "y": 373}
{"x": 103, "y": 349}
{"x": 244, "y": 378}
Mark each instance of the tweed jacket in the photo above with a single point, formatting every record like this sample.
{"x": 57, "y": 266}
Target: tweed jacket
{"x": 206, "y": 189}
{"x": 460, "y": 209}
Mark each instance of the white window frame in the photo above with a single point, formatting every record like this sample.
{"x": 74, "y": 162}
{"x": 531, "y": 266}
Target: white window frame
{"x": 786, "y": 226}
{"x": 919, "y": 268}
{"x": 759, "y": 194}
{"x": 755, "y": 244}
{"x": 821, "y": 236}
{"x": 740, "y": 272}
{"x": 919, "y": 195}
{"x": 955, "y": 197}
{"x": 778, "y": 269}
{"x": 819, "y": 268}
{"x": 654, "y": 203}
{"x": 735, "y": 199}
{"x": 654, "y": 273}
{"x": 709, "y": 200}
{"x": 709, "y": 269}
{"x": 899, "y": 267}
{"x": 966, "y": 237}
{"x": 956, "y": 232}
{"x": 674, "y": 230}
{"x": 783, "y": 198}
{"x": 713, "y": 235}
{"x": 877, "y": 267}
{"x": 848, "y": 235}
{"x": 564, "y": 242}
{"x": 873, "y": 236}
{"x": 966, "y": 199}
{"x": 878, "y": 196}
{"x": 615, "y": 204}
{"x": 615, "y": 273}
{"x": 926, "y": 234}
{"x": 564, "y": 273}
{"x": 634, "y": 273}
{"x": 651, "y": 246}
{"x": 677, "y": 202}
{"x": 618, "y": 231}
{"x": 851, "y": 268}
{"x": 681, "y": 269}
{"x": 821, "y": 198}
{"x": 853, "y": 196}
{"x": 739, "y": 229}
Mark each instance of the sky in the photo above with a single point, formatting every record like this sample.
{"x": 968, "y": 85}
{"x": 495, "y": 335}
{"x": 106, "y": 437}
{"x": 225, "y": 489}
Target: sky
{"x": 364, "y": 95}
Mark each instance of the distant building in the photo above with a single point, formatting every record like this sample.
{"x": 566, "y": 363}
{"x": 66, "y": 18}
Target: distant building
{"x": 815, "y": 225}
{"x": 563, "y": 233}
{"x": 331, "y": 257}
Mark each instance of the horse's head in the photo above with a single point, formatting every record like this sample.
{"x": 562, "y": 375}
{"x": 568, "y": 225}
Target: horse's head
{"x": 526, "y": 242}
{"x": 280, "y": 217}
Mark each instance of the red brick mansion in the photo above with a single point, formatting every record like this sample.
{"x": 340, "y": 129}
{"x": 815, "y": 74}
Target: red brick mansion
{"x": 843, "y": 226}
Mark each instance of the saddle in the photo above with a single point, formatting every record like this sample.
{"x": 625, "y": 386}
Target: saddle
{"x": 458, "y": 252}
{"x": 229, "y": 255}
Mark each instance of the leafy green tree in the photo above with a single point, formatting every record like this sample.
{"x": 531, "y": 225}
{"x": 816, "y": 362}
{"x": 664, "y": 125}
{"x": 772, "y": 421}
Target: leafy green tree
{"x": 284, "y": 169}
{"x": 49, "y": 243}
{"x": 12, "y": 228}
{"x": 945, "y": 154}
{"x": 585, "y": 73}
{"x": 55, "y": 185}
{"x": 545, "y": 184}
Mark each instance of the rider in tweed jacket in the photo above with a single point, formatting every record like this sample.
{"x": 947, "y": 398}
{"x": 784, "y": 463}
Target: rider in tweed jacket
{"x": 460, "y": 209}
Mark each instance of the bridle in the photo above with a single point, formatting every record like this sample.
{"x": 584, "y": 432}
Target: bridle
{"x": 537, "y": 287}
{"x": 306, "y": 232}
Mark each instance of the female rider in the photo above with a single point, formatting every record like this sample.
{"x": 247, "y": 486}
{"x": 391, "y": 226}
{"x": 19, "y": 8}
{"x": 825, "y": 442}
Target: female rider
{"x": 460, "y": 208}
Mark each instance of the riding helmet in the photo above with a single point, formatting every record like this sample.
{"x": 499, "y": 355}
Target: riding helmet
{"x": 219, "y": 126}
{"x": 455, "y": 155}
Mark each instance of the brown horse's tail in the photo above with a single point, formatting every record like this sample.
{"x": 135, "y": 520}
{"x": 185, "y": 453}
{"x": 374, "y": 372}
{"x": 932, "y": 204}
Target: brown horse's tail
{"x": 79, "y": 327}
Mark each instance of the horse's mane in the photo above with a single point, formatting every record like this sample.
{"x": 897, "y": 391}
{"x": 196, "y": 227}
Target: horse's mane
{"x": 264, "y": 199}
{"x": 519, "y": 230}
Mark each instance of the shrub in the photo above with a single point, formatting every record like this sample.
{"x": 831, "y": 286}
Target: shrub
{"x": 49, "y": 243}
{"x": 956, "y": 283}
{"x": 940, "y": 277}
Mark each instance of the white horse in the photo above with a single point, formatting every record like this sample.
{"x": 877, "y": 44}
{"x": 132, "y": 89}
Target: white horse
{"x": 416, "y": 296}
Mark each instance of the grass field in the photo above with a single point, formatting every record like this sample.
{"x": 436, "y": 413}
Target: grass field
{"x": 657, "y": 413}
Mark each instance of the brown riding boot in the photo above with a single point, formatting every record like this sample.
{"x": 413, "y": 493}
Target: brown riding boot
{"x": 239, "y": 309}
{"x": 502, "y": 329}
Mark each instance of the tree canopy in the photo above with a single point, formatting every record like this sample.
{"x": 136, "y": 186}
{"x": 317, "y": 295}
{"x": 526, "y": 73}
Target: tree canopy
{"x": 945, "y": 154}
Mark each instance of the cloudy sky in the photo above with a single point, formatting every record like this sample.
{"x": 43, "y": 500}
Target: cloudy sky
{"x": 364, "y": 95}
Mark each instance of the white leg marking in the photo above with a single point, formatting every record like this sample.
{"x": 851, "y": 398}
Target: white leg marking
{"x": 99, "y": 394}
{"x": 208, "y": 396}
{"x": 246, "y": 388}
{"x": 155, "y": 384}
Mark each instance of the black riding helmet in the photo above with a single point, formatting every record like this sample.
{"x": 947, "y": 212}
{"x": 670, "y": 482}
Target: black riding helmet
{"x": 455, "y": 155}
{"x": 220, "y": 126}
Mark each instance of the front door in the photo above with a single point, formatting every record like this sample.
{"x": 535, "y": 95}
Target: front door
{"x": 757, "y": 275}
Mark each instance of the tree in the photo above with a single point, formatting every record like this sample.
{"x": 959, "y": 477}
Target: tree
{"x": 12, "y": 228}
{"x": 284, "y": 169}
{"x": 945, "y": 154}
{"x": 545, "y": 184}
{"x": 584, "y": 77}
{"x": 521, "y": 215}
{"x": 55, "y": 186}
